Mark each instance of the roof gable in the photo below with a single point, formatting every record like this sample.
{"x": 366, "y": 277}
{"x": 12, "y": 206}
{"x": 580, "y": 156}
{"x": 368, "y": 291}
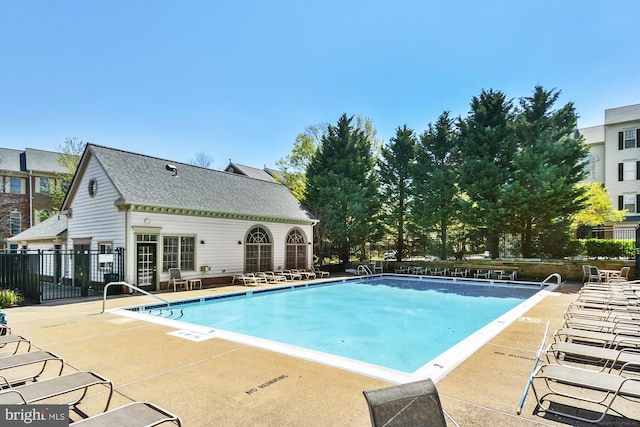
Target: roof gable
{"x": 153, "y": 182}
{"x": 250, "y": 172}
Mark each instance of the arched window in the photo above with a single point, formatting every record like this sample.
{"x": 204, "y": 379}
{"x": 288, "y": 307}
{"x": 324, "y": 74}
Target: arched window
{"x": 296, "y": 250}
{"x": 258, "y": 252}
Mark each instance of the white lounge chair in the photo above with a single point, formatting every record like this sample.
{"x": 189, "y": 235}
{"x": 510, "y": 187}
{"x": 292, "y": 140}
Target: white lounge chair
{"x": 485, "y": 274}
{"x": 321, "y": 273}
{"x": 245, "y": 279}
{"x": 459, "y": 271}
{"x": 275, "y": 278}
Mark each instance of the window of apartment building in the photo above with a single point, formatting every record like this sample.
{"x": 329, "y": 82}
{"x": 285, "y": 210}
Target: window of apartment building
{"x": 629, "y": 170}
{"x": 14, "y": 185}
{"x": 15, "y": 223}
{"x": 43, "y": 185}
{"x": 629, "y": 202}
{"x": 628, "y": 138}
{"x": 178, "y": 252}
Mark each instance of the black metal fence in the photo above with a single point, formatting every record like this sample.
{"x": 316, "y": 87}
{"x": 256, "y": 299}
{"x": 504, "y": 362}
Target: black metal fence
{"x": 56, "y": 274}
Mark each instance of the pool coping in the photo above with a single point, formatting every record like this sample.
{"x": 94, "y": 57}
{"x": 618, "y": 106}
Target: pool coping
{"x": 436, "y": 368}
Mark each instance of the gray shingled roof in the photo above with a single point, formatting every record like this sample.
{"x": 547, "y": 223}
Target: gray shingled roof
{"x": 10, "y": 159}
{"x": 250, "y": 172}
{"x": 145, "y": 180}
{"x": 30, "y": 160}
{"x": 50, "y": 228}
{"x": 43, "y": 161}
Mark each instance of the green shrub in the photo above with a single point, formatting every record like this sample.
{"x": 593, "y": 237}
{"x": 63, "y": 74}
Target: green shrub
{"x": 9, "y": 298}
{"x": 602, "y": 248}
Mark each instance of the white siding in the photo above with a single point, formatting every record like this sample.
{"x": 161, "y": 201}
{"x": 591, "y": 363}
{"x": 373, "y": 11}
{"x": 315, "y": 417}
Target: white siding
{"x": 96, "y": 218}
{"x": 220, "y": 250}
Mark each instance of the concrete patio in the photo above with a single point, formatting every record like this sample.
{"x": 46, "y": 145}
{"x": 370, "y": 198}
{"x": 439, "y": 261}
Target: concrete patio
{"x": 222, "y": 383}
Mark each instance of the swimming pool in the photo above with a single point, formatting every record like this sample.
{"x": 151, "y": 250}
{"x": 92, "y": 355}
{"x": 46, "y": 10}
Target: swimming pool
{"x": 387, "y": 326}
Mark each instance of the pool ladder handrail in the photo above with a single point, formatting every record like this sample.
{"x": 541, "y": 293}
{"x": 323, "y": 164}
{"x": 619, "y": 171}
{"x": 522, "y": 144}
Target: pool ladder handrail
{"x": 556, "y": 275}
{"x": 130, "y": 286}
{"x": 366, "y": 270}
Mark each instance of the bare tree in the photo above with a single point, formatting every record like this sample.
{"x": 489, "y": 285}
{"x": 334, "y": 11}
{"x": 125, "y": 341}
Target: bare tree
{"x": 202, "y": 159}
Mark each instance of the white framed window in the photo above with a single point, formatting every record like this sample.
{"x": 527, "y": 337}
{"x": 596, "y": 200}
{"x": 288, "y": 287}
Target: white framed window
{"x": 258, "y": 251}
{"x": 15, "y": 185}
{"x": 629, "y": 202}
{"x": 43, "y": 185}
{"x": 296, "y": 250}
{"x": 629, "y": 170}
{"x": 178, "y": 252}
{"x": 15, "y": 223}
{"x": 629, "y": 138}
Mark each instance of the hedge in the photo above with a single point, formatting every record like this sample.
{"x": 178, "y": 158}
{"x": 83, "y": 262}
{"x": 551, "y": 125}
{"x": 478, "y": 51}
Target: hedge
{"x": 602, "y": 248}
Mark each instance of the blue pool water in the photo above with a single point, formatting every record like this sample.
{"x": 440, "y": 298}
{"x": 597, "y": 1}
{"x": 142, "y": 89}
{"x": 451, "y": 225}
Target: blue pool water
{"x": 392, "y": 322}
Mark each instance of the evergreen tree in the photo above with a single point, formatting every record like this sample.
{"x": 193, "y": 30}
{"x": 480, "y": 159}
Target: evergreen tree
{"x": 396, "y": 185}
{"x": 437, "y": 203}
{"x": 342, "y": 188}
{"x": 548, "y": 166}
{"x": 487, "y": 148}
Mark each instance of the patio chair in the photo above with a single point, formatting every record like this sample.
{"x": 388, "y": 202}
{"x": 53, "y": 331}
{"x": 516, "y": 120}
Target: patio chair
{"x": 275, "y": 278}
{"x": 619, "y": 326}
{"x": 175, "y": 278}
{"x": 459, "y": 271}
{"x": 321, "y": 273}
{"x": 486, "y": 274}
{"x": 617, "y": 340}
{"x": 136, "y": 414}
{"x": 605, "y": 359}
{"x": 412, "y": 404}
{"x": 56, "y": 386}
{"x": 13, "y": 339}
{"x": 9, "y": 365}
{"x": 439, "y": 271}
{"x": 594, "y": 275}
{"x": 506, "y": 274}
{"x": 248, "y": 279}
{"x": 307, "y": 274}
{"x": 261, "y": 277}
{"x": 585, "y": 382}
{"x": 623, "y": 276}
{"x": 586, "y": 271}
{"x": 292, "y": 274}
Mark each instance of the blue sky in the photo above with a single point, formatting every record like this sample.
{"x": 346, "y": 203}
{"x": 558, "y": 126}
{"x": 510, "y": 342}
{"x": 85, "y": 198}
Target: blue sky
{"x": 239, "y": 80}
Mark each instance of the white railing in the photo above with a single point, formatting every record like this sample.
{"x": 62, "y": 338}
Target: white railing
{"x": 130, "y": 286}
{"x": 556, "y": 275}
{"x": 365, "y": 270}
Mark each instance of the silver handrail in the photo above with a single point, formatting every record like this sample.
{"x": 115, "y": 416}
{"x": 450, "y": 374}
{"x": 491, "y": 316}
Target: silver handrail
{"x": 365, "y": 269}
{"x": 135, "y": 288}
{"x": 556, "y": 275}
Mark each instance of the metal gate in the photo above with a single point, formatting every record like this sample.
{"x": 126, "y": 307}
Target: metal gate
{"x": 56, "y": 274}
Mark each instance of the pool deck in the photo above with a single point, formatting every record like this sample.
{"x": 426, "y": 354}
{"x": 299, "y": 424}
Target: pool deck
{"x": 223, "y": 383}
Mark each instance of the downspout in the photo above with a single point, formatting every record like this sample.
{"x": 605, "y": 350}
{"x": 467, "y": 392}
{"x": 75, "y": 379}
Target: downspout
{"x": 30, "y": 198}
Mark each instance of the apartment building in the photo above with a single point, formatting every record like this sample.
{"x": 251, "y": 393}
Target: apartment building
{"x": 614, "y": 160}
{"x": 26, "y": 178}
